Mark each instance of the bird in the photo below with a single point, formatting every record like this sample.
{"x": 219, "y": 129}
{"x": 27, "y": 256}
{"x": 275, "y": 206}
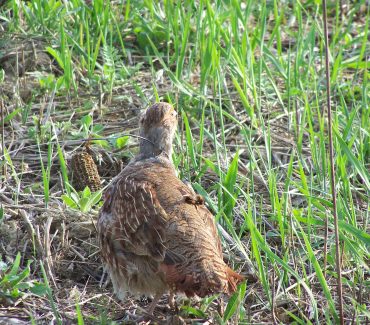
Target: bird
{"x": 156, "y": 235}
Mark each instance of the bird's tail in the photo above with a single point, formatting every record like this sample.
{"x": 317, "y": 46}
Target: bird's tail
{"x": 233, "y": 279}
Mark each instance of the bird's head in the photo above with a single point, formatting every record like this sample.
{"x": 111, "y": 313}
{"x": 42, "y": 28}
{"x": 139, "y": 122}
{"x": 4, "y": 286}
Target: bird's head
{"x": 158, "y": 125}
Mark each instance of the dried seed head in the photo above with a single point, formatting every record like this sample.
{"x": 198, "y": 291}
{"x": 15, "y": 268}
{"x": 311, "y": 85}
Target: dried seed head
{"x": 84, "y": 172}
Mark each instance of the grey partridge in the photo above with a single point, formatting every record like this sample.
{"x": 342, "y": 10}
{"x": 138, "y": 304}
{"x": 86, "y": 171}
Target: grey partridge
{"x": 156, "y": 235}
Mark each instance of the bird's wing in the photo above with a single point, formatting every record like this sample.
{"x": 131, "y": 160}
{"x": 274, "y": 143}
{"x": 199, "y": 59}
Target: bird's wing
{"x": 132, "y": 220}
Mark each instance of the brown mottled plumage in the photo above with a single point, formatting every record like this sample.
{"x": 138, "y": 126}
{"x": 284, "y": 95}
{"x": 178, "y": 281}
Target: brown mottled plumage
{"x": 156, "y": 235}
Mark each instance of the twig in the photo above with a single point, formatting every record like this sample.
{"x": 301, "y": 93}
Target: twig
{"x": 273, "y": 297}
{"x": 31, "y": 232}
{"x": 82, "y": 302}
{"x": 332, "y": 169}
{"x": 75, "y": 142}
{"x": 77, "y": 253}
{"x": 3, "y": 136}
{"x": 47, "y": 250}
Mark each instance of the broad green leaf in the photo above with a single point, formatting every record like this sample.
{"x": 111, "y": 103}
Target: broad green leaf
{"x": 69, "y": 202}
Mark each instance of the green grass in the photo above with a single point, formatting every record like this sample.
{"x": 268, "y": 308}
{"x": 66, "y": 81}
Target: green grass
{"x": 248, "y": 80}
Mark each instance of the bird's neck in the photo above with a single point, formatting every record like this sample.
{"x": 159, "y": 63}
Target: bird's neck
{"x": 148, "y": 150}
{"x": 155, "y": 143}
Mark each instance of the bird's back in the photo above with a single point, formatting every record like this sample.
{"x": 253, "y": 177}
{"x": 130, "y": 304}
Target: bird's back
{"x": 171, "y": 230}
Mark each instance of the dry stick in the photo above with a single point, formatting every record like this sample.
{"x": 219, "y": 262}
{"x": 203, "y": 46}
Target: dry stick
{"x": 332, "y": 169}
{"x": 3, "y": 136}
{"x": 72, "y": 142}
{"x": 273, "y": 296}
